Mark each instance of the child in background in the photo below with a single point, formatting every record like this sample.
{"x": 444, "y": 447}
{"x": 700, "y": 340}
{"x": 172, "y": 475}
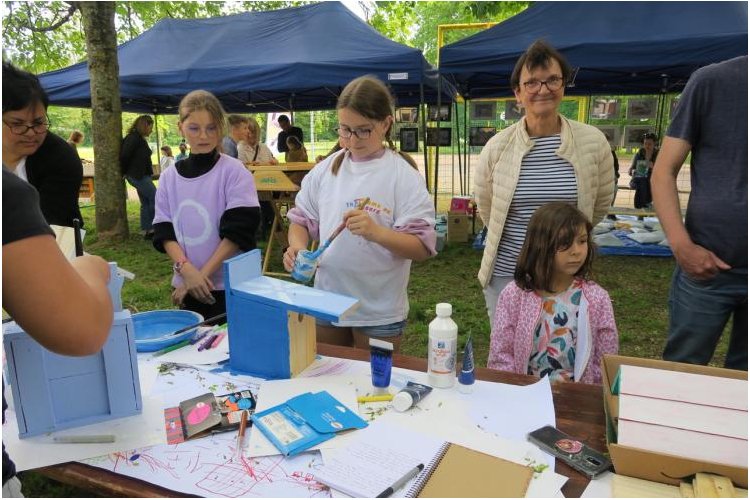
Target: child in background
{"x": 167, "y": 160}
{"x": 552, "y": 320}
{"x": 371, "y": 260}
{"x": 297, "y": 151}
{"x": 206, "y": 208}
{"x": 640, "y": 171}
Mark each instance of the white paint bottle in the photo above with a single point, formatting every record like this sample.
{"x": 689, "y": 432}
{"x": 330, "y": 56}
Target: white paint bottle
{"x": 441, "y": 348}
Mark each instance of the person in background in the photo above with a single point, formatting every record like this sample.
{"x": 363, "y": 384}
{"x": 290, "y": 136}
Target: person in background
{"x": 297, "y": 151}
{"x": 135, "y": 161}
{"x": 543, "y": 157}
{"x": 37, "y": 277}
{"x": 167, "y": 160}
{"x": 183, "y": 152}
{"x": 709, "y": 284}
{"x": 616, "y": 164}
{"x": 251, "y": 150}
{"x": 287, "y": 129}
{"x": 75, "y": 139}
{"x": 371, "y": 260}
{"x": 238, "y": 125}
{"x": 336, "y": 148}
{"x": 552, "y": 302}
{"x": 35, "y": 154}
{"x": 640, "y": 171}
{"x": 206, "y": 209}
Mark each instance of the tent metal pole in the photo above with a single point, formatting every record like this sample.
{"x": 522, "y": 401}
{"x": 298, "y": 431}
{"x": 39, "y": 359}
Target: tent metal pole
{"x": 437, "y": 144}
{"x": 467, "y": 156}
{"x": 458, "y": 146}
{"x": 424, "y": 132}
{"x": 158, "y": 140}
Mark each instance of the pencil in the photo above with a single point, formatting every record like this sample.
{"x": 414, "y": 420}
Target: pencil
{"x": 241, "y": 434}
{"x": 172, "y": 347}
{"x": 85, "y": 439}
{"x": 373, "y": 399}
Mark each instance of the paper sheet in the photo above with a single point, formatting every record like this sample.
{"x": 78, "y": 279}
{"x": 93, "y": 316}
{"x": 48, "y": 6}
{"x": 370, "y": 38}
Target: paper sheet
{"x": 190, "y": 355}
{"x": 130, "y": 432}
{"x": 276, "y": 392}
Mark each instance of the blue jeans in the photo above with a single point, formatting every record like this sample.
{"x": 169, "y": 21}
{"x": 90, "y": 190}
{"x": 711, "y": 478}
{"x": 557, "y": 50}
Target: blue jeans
{"x": 378, "y": 331}
{"x": 147, "y": 194}
{"x": 699, "y": 311}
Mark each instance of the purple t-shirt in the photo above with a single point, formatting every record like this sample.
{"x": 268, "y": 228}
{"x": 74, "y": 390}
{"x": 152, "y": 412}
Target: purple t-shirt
{"x": 195, "y": 206}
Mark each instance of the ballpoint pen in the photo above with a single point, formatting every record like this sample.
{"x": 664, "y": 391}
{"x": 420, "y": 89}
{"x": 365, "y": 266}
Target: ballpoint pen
{"x": 401, "y": 482}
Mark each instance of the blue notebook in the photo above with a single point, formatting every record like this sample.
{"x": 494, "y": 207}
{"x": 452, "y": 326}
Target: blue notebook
{"x": 305, "y": 421}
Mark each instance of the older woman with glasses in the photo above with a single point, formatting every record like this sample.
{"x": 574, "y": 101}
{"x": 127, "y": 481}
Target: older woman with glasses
{"x": 135, "y": 162}
{"x": 36, "y": 155}
{"x": 542, "y": 158}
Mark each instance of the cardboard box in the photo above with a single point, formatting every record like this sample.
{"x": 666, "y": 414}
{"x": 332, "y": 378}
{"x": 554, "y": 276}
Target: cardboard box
{"x": 459, "y": 226}
{"x": 659, "y": 467}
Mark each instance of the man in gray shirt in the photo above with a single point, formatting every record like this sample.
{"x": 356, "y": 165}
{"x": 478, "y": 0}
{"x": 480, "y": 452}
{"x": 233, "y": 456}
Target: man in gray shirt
{"x": 710, "y": 281}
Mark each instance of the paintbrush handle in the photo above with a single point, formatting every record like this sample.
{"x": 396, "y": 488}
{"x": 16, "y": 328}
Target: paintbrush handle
{"x": 341, "y": 227}
{"x": 188, "y": 328}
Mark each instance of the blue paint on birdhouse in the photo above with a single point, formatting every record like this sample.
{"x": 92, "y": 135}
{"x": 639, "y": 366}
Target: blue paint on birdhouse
{"x": 53, "y": 392}
{"x": 271, "y": 321}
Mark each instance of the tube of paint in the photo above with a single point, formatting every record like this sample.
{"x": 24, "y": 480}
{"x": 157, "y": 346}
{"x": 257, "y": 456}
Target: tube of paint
{"x": 381, "y": 362}
{"x": 466, "y": 377}
{"x": 409, "y": 396}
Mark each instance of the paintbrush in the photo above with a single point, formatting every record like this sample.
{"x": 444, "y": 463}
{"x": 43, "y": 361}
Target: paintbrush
{"x": 196, "y": 325}
{"x": 337, "y": 231}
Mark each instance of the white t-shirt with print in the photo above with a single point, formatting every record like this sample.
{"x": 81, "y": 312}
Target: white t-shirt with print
{"x": 352, "y": 265}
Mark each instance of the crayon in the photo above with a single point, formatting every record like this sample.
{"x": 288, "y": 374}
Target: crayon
{"x": 373, "y": 399}
{"x": 207, "y": 343}
{"x": 198, "y": 337}
{"x": 219, "y": 338}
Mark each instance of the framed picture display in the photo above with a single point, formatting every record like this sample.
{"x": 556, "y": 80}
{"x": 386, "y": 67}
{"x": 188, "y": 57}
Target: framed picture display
{"x": 605, "y": 108}
{"x": 612, "y": 133}
{"x": 409, "y": 139}
{"x": 642, "y": 109}
{"x": 513, "y": 110}
{"x": 407, "y": 115}
{"x": 439, "y": 115}
{"x": 438, "y": 136}
{"x": 483, "y": 110}
{"x": 478, "y": 136}
{"x": 634, "y": 135}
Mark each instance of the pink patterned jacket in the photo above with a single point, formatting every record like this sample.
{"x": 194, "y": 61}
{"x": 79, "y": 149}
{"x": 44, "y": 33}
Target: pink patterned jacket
{"x": 517, "y": 314}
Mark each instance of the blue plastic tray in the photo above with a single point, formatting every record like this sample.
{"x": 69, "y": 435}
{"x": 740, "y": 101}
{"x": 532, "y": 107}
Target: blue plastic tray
{"x": 153, "y": 329}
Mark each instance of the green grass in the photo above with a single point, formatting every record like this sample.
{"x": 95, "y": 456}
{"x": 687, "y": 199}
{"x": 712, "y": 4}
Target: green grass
{"x": 638, "y": 287}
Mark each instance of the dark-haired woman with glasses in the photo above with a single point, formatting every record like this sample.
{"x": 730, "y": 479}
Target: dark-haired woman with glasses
{"x": 542, "y": 158}
{"x": 135, "y": 162}
{"x": 640, "y": 171}
{"x": 36, "y": 155}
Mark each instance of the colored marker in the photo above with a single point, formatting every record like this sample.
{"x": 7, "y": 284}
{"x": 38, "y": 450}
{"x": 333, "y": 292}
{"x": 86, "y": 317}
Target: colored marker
{"x": 219, "y": 338}
{"x": 174, "y": 347}
{"x": 207, "y": 343}
{"x": 94, "y": 438}
{"x": 198, "y": 337}
{"x": 375, "y": 399}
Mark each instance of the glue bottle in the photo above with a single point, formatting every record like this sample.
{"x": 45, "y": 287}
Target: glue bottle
{"x": 441, "y": 350}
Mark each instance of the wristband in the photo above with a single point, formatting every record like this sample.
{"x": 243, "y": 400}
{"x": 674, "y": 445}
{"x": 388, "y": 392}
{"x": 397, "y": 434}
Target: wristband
{"x": 179, "y": 265}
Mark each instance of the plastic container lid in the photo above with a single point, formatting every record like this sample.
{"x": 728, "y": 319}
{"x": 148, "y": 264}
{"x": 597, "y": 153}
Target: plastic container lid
{"x": 402, "y": 401}
{"x": 444, "y": 309}
{"x": 154, "y": 329}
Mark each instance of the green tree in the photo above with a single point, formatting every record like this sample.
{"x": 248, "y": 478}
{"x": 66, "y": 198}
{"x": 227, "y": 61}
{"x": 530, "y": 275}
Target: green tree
{"x": 416, "y": 23}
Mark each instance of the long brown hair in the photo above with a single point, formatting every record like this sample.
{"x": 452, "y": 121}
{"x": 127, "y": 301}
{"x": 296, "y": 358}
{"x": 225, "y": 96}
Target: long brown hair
{"x": 140, "y": 123}
{"x": 198, "y": 100}
{"x": 553, "y": 227}
{"x": 369, "y": 97}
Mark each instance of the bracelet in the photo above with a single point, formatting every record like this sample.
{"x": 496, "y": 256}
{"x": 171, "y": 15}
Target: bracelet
{"x": 177, "y": 267}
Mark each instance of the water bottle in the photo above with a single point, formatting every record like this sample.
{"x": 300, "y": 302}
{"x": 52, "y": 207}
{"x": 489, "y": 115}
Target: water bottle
{"x": 441, "y": 349}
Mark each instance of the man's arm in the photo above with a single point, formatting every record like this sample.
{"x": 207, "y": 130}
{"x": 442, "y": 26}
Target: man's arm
{"x": 693, "y": 259}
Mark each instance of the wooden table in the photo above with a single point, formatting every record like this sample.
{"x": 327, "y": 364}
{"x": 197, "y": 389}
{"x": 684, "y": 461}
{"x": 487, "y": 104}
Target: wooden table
{"x": 579, "y": 411}
{"x": 274, "y": 182}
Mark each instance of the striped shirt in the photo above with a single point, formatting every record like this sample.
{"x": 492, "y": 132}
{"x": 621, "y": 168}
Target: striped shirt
{"x": 544, "y": 177}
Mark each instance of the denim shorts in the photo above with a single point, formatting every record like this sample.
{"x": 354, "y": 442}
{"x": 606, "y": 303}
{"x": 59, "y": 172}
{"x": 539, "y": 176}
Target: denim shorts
{"x": 378, "y": 331}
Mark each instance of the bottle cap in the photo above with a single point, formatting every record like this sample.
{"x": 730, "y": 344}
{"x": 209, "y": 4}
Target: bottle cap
{"x": 402, "y": 401}
{"x": 444, "y": 309}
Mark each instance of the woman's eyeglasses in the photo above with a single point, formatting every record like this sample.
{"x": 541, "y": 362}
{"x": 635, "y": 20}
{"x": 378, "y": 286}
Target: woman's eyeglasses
{"x": 359, "y": 133}
{"x": 553, "y": 84}
{"x": 39, "y": 127}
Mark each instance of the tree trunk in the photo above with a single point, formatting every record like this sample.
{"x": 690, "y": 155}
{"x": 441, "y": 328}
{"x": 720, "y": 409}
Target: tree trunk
{"x": 98, "y": 20}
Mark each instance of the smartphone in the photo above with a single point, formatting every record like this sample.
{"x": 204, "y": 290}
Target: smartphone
{"x": 570, "y": 450}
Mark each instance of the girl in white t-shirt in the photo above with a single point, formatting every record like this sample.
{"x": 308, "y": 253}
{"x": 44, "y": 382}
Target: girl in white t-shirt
{"x": 371, "y": 260}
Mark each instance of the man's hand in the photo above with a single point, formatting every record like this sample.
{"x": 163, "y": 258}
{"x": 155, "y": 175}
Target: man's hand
{"x": 698, "y": 262}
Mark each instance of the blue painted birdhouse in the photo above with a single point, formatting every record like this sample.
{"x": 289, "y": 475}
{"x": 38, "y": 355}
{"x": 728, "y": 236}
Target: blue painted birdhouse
{"x": 53, "y": 392}
{"x": 272, "y": 322}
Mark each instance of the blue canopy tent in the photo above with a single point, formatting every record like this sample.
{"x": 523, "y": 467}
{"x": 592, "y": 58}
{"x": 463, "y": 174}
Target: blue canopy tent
{"x": 289, "y": 59}
{"x": 614, "y": 47}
